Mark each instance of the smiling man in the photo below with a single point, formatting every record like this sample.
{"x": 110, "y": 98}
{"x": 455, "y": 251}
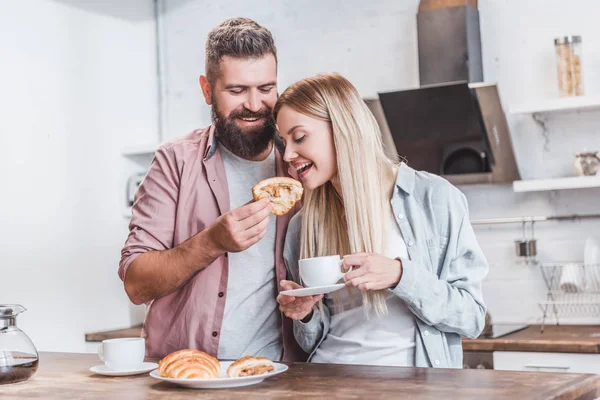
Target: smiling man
{"x": 201, "y": 254}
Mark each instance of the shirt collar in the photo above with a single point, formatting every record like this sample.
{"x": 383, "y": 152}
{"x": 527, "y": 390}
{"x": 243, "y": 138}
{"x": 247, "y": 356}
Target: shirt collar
{"x": 212, "y": 143}
{"x": 405, "y": 179}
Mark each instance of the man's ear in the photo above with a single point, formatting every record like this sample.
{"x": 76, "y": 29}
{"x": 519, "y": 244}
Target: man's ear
{"x": 206, "y": 89}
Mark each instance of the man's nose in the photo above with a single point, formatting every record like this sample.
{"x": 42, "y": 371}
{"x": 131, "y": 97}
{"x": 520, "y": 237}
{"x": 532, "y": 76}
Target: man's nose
{"x": 253, "y": 102}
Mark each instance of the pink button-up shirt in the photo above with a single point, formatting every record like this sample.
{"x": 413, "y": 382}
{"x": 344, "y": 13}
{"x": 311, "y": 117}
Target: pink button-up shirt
{"x": 184, "y": 192}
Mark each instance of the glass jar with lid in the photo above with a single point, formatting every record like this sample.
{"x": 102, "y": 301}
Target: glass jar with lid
{"x": 18, "y": 356}
{"x": 568, "y": 63}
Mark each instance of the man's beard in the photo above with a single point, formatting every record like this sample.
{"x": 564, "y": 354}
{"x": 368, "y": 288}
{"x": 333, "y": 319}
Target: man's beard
{"x": 245, "y": 143}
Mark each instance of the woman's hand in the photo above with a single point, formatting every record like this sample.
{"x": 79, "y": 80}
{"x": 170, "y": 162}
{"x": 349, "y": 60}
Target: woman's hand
{"x": 296, "y": 308}
{"x": 371, "y": 271}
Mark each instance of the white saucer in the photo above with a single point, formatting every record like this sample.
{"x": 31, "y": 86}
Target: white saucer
{"x": 104, "y": 370}
{"x": 223, "y": 381}
{"x": 311, "y": 291}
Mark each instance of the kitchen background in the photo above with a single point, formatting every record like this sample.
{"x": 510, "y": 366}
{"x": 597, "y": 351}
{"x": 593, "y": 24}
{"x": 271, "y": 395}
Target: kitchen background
{"x": 83, "y": 109}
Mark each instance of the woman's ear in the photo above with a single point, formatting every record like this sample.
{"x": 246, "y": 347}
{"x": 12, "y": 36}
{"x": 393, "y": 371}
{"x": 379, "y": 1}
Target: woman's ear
{"x": 206, "y": 89}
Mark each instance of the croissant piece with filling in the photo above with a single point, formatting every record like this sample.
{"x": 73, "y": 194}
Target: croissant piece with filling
{"x": 249, "y": 365}
{"x": 282, "y": 191}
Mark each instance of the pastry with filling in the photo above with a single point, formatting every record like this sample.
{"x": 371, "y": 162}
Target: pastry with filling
{"x": 248, "y": 365}
{"x": 283, "y": 193}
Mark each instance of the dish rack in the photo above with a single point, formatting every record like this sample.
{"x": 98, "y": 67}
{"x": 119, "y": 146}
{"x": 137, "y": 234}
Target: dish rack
{"x": 572, "y": 289}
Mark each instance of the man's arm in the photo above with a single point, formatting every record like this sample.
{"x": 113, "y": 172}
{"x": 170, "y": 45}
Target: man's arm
{"x": 151, "y": 267}
{"x": 158, "y": 273}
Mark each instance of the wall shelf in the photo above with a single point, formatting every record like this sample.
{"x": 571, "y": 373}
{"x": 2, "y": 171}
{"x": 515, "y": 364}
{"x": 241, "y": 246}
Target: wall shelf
{"x": 539, "y": 185}
{"x": 147, "y": 150}
{"x": 557, "y": 105}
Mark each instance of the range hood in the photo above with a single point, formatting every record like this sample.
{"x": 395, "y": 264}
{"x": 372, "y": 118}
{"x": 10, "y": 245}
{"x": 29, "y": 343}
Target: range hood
{"x": 453, "y": 124}
{"x": 456, "y": 130}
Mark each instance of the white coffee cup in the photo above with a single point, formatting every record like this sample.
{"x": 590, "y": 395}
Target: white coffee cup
{"x": 124, "y": 354}
{"x": 321, "y": 271}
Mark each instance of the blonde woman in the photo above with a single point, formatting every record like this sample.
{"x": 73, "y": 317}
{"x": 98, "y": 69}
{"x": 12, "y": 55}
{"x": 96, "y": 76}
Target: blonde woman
{"x": 415, "y": 287}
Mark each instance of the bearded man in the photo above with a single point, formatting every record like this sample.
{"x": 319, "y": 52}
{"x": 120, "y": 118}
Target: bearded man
{"x": 202, "y": 255}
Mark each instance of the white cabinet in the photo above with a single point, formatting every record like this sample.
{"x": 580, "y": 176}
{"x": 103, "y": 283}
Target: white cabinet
{"x": 547, "y": 362}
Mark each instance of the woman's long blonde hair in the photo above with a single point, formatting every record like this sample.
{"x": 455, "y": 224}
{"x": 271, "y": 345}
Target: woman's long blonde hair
{"x": 359, "y": 223}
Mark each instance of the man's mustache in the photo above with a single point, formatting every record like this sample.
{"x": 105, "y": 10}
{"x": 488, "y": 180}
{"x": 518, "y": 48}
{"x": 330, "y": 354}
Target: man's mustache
{"x": 245, "y": 113}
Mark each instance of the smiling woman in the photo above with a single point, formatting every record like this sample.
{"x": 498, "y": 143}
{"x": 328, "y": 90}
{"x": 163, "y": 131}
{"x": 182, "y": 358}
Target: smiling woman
{"x": 320, "y": 118}
{"x": 406, "y": 234}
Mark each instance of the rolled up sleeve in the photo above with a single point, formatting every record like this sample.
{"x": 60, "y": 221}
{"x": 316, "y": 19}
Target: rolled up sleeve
{"x": 153, "y": 213}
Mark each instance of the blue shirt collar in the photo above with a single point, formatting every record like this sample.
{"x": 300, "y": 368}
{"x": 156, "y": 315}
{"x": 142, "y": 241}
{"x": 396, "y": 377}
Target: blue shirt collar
{"x": 405, "y": 179}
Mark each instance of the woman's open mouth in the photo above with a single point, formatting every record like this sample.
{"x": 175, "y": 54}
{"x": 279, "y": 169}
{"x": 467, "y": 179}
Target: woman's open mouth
{"x": 303, "y": 169}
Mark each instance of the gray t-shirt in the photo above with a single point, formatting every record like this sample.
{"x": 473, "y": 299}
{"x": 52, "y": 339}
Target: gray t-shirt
{"x": 252, "y": 320}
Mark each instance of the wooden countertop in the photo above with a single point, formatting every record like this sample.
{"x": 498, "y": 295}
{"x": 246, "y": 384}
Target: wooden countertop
{"x": 67, "y": 375}
{"x": 555, "y": 339}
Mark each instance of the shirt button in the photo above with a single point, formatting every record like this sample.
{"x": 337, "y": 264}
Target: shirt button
{"x": 437, "y": 362}
{"x": 215, "y": 334}
{"x": 411, "y": 243}
{"x": 221, "y": 294}
{"x": 426, "y": 333}
{"x": 400, "y": 216}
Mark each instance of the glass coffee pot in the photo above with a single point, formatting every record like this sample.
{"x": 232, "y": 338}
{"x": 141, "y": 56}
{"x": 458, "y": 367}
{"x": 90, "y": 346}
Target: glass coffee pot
{"x": 18, "y": 356}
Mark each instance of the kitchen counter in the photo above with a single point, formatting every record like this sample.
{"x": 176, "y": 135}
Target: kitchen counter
{"x": 555, "y": 339}
{"x": 67, "y": 375}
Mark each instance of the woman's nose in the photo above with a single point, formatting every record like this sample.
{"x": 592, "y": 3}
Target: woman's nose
{"x": 289, "y": 154}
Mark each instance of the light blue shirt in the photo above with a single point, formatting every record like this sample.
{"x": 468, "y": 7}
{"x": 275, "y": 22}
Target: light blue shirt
{"x": 441, "y": 278}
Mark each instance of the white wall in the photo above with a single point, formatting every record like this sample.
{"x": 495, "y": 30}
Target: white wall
{"x": 374, "y": 44}
{"x": 78, "y": 85}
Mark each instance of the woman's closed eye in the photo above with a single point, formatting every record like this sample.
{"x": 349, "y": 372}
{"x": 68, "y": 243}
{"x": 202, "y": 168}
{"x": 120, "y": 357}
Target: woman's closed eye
{"x": 300, "y": 139}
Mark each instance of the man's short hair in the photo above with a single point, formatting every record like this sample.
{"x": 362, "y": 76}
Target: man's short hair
{"x": 238, "y": 38}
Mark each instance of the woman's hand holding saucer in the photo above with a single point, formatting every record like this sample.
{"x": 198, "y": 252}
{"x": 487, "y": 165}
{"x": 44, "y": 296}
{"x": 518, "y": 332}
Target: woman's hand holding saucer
{"x": 297, "y": 308}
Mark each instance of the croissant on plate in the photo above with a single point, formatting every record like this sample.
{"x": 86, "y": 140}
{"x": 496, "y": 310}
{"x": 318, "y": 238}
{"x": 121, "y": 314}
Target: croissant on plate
{"x": 249, "y": 365}
{"x": 189, "y": 364}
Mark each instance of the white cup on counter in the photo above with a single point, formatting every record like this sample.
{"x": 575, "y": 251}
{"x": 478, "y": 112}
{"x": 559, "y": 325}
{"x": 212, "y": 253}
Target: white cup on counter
{"x": 123, "y": 354}
{"x": 321, "y": 271}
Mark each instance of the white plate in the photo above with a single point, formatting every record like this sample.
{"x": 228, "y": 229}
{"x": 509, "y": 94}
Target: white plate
{"x": 223, "y": 381}
{"x": 104, "y": 370}
{"x": 313, "y": 290}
